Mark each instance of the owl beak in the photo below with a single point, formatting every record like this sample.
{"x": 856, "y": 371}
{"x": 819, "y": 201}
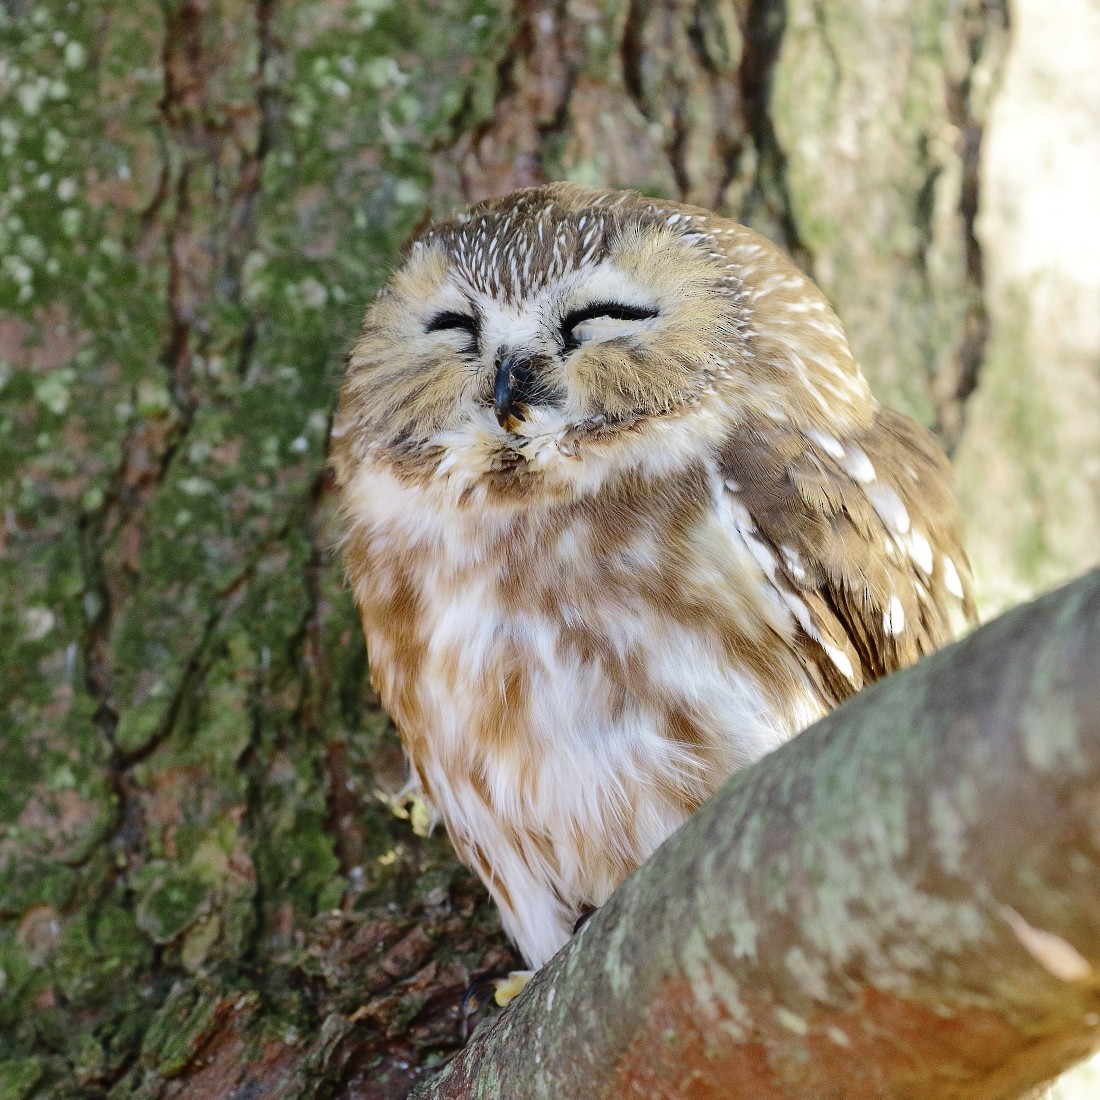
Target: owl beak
{"x": 513, "y": 387}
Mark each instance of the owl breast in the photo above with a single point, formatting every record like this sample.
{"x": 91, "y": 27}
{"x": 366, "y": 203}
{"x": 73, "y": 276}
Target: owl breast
{"x": 566, "y": 698}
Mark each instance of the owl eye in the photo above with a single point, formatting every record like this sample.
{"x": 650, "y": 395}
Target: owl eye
{"x": 449, "y": 320}
{"x": 602, "y": 316}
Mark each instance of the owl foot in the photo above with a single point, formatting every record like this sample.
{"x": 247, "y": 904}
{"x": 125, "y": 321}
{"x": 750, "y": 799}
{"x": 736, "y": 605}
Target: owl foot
{"x": 492, "y": 991}
{"x": 509, "y": 986}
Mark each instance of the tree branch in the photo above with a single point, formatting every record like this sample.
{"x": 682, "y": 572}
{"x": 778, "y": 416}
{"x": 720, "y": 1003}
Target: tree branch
{"x": 902, "y": 902}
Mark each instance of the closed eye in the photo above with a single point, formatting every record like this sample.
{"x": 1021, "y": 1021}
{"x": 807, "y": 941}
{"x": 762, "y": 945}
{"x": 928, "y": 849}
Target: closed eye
{"x": 602, "y": 315}
{"x": 450, "y": 321}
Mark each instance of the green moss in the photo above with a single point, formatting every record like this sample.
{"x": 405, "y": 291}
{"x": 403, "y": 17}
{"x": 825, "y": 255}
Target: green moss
{"x": 169, "y": 899}
{"x": 35, "y": 881}
{"x": 18, "y": 1077}
{"x": 175, "y": 1032}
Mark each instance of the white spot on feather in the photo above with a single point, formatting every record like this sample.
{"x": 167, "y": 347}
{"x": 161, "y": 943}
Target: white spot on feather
{"x": 791, "y": 1021}
{"x": 761, "y": 554}
{"x": 840, "y": 659}
{"x": 858, "y": 465}
{"x": 951, "y": 578}
{"x": 794, "y": 566}
{"x": 889, "y": 507}
{"x": 828, "y": 443}
{"x": 920, "y": 551}
{"x": 893, "y": 621}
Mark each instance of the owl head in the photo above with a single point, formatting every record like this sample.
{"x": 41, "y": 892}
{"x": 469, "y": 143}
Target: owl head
{"x": 562, "y": 328}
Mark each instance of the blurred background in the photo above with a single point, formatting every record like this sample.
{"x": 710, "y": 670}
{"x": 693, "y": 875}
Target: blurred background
{"x": 205, "y": 881}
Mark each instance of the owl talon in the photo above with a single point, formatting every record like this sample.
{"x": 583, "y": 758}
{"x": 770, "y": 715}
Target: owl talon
{"x": 491, "y": 991}
{"x": 478, "y": 994}
{"x": 583, "y": 919}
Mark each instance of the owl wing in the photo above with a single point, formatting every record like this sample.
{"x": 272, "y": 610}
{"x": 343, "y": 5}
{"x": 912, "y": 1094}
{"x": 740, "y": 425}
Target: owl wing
{"x": 860, "y": 537}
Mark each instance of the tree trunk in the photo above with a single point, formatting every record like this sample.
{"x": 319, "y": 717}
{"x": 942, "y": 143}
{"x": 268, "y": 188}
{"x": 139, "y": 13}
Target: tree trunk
{"x": 204, "y": 886}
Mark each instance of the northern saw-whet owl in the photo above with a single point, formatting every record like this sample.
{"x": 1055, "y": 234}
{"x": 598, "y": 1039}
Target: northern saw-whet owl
{"x": 621, "y": 517}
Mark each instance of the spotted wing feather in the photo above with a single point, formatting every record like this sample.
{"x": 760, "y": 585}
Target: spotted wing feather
{"x": 864, "y": 534}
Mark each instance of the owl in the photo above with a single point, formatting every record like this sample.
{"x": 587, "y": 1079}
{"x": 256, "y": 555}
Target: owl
{"x": 621, "y": 516}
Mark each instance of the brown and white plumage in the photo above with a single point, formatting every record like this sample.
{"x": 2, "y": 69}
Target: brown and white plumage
{"x": 622, "y": 516}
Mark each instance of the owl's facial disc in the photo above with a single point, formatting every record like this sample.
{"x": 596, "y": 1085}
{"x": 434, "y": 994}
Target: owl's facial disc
{"x": 502, "y": 338}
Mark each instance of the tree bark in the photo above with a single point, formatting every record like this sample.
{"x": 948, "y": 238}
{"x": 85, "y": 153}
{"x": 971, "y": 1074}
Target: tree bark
{"x": 203, "y": 888}
{"x": 902, "y": 902}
